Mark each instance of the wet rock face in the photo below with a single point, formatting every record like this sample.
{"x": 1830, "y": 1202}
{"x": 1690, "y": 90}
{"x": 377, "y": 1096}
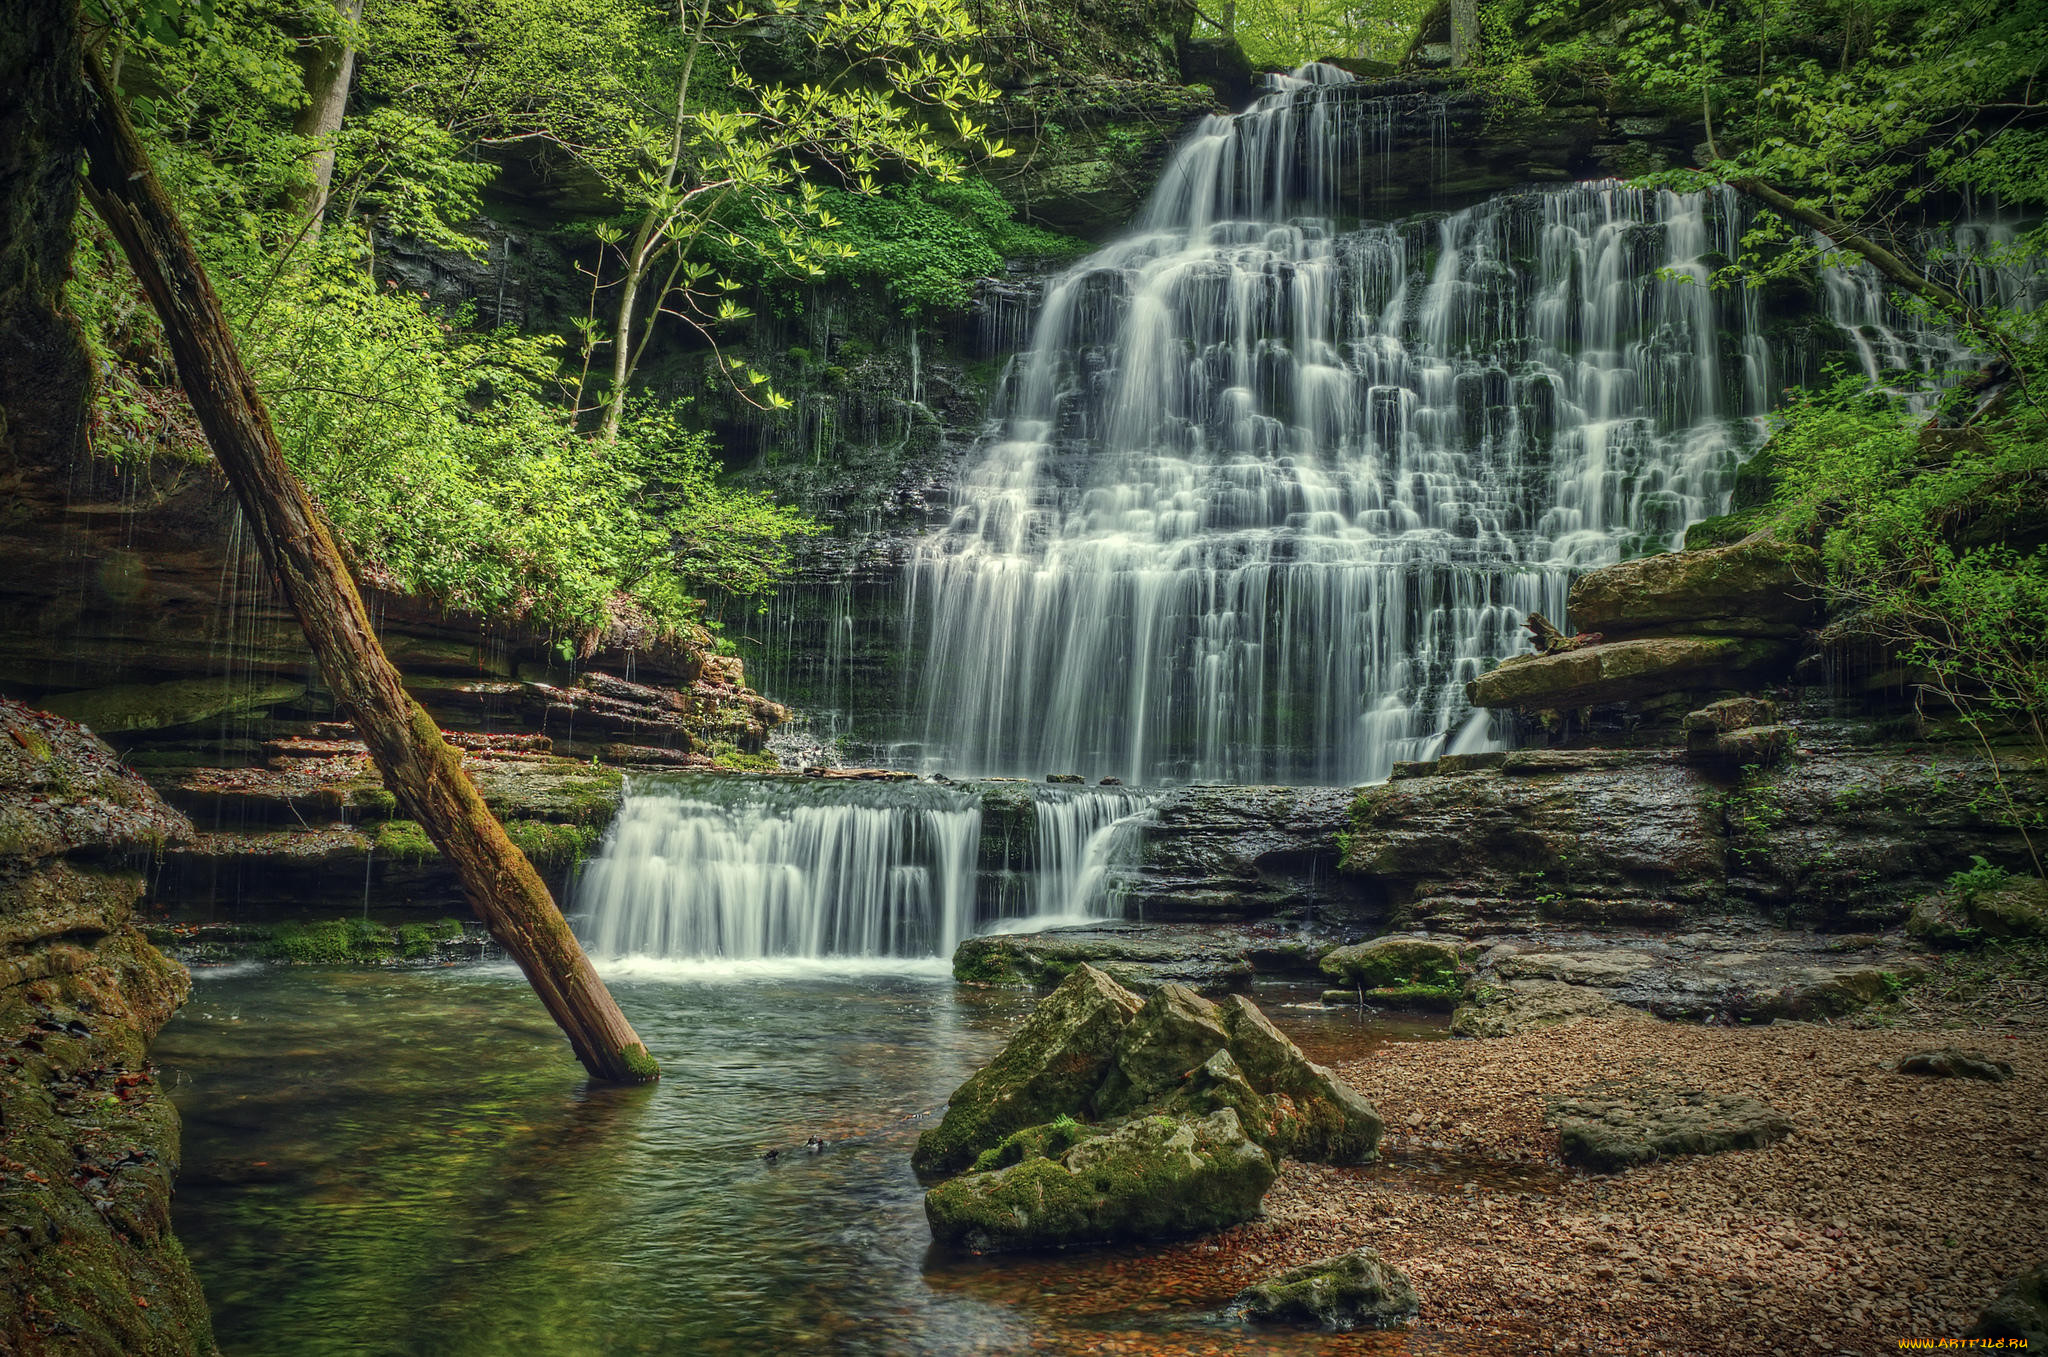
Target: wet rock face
{"x": 1101, "y": 1099}
{"x": 1235, "y": 853}
{"x": 1355, "y": 1290}
{"x": 1838, "y": 836}
{"x": 1613, "y": 1131}
{"x": 1155, "y": 1177}
{"x": 1211, "y": 958}
{"x": 90, "y": 1140}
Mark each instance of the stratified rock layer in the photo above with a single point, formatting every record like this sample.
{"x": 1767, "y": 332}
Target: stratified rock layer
{"x": 88, "y": 1141}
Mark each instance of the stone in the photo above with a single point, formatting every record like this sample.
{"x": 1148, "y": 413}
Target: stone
{"x": 1155, "y": 1177}
{"x": 1607, "y": 1132}
{"x": 1949, "y": 1062}
{"x": 1628, "y": 670}
{"x": 1704, "y": 726}
{"x": 1212, "y": 958}
{"x": 2019, "y": 1313}
{"x": 1524, "y": 1005}
{"x": 1355, "y": 1290}
{"x": 1173, "y": 1034}
{"x": 1094, "y": 1051}
{"x": 1756, "y": 587}
{"x": 130, "y": 707}
{"x": 1394, "y": 961}
{"x": 1052, "y": 1067}
{"x": 2018, "y": 909}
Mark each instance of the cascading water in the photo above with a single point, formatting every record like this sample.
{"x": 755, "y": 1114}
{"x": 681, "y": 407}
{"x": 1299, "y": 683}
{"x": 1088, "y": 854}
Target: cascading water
{"x": 1268, "y": 491}
{"x": 740, "y": 869}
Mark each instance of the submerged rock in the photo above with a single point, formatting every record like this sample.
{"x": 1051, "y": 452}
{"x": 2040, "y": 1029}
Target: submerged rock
{"x": 1948, "y": 1062}
{"x": 1608, "y": 1132}
{"x": 1355, "y": 1290}
{"x": 1154, "y": 1177}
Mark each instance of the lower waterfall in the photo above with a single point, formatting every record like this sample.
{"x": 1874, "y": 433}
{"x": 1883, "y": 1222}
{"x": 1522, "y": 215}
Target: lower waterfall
{"x": 715, "y": 868}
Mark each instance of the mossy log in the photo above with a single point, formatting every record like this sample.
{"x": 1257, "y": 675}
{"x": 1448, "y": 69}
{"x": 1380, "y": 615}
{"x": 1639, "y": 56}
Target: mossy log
{"x": 420, "y": 766}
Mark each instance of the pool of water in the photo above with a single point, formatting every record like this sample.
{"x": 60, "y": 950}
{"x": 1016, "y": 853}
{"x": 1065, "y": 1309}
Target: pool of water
{"x": 409, "y": 1161}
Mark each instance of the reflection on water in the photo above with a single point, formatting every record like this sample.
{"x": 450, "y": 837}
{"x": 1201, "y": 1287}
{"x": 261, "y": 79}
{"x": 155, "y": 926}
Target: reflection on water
{"x": 410, "y": 1162}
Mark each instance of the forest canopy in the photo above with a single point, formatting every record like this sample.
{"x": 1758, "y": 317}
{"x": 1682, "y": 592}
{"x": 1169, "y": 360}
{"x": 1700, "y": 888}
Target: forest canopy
{"x": 510, "y": 472}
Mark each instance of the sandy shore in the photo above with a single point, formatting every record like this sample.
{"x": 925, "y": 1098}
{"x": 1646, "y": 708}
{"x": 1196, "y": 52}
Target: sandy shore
{"x": 1897, "y": 1209}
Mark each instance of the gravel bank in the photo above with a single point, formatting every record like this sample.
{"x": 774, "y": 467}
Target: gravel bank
{"x": 1898, "y": 1207}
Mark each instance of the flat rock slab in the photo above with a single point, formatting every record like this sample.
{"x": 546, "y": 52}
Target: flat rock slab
{"x": 1949, "y": 1062}
{"x": 1209, "y": 957}
{"x": 1613, "y": 1130}
{"x": 1729, "y": 974}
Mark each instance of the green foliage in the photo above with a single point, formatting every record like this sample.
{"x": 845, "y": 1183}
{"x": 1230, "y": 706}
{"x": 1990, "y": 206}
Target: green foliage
{"x": 330, "y": 942}
{"x": 553, "y": 846}
{"x": 1981, "y": 878}
{"x": 737, "y": 762}
{"x": 405, "y": 841}
{"x": 1282, "y": 34}
{"x": 926, "y": 242}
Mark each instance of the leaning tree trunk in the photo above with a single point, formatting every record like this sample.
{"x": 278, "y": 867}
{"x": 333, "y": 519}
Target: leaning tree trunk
{"x": 421, "y": 768}
{"x": 330, "y": 65}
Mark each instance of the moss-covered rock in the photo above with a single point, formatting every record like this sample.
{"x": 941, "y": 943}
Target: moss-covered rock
{"x": 1093, "y": 1051}
{"x": 1155, "y": 1177}
{"x": 1053, "y": 1066}
{"x": 1758, "y": 586}
{"x": 1629, "y": 670}
{"x": 1391, "y": 962}
{"x": 1355, "y": 1290}
{"x": 2020, "y": 1312}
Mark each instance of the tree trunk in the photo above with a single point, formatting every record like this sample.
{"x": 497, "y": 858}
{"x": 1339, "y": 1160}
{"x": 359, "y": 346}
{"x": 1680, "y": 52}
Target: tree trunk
{"x": 1464, "y": 31}
{"x": 329, "y": 68}
{"x": 425, "y": 773}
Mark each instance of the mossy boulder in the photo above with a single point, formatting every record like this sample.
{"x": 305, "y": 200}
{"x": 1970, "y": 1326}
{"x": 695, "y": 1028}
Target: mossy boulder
{"x": 1094, "y": 1051}
{"x": 1755, "y": 587}
{"x": 1389, "y": 962}
{"x": 1355, "y": 1290}
{"x": 1950, "y": 1062}
{"x": 1629, "y": 670}
{"x": 2017, "y": 909}
{"x": 1052, "y": 1067}
{"x": 1154, "y": 1177}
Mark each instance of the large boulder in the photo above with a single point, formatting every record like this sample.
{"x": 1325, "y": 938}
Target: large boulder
{"x": 1355, "y": 1290}
{"x": 1154, "y": 1177}
{"x": 1051, "y": 1068}
{"x": 1629, "y": 670}
{"x": 1093, "y": 1050}
{"x": 1758, "y": 587}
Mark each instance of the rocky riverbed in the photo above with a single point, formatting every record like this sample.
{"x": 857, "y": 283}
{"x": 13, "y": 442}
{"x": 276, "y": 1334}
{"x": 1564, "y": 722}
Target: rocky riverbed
{"x": 1897, "y": 1208}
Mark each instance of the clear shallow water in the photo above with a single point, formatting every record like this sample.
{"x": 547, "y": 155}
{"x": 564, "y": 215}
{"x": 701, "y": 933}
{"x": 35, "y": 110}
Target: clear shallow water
{"x": 410, "y": 1162}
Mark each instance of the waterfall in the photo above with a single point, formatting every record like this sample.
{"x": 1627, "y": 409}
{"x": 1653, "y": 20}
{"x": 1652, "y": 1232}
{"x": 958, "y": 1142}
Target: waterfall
{"x": 1270, "y": 486}
{"x": 746, "y": 868}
